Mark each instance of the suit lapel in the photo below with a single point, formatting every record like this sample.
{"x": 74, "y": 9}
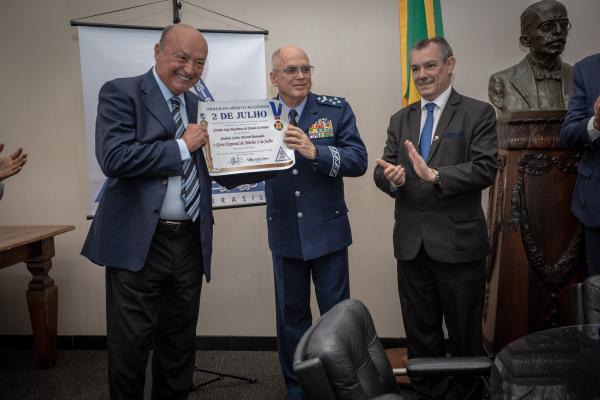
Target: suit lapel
{"x": 524, "y": 83}
{"x": 191, "y": 106}
{"x": 414, "y": 126}
{"x": 155, "y": 102}
{"x": 567, "y": 81}
{"x": 444, "y": 122}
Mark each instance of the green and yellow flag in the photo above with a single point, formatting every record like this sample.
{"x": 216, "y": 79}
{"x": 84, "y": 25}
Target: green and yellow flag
{"x": 419, "y": 19}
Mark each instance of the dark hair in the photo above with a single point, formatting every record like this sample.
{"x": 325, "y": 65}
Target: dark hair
{"x": 529, "y": 15}
{"x": 442, "y": 43}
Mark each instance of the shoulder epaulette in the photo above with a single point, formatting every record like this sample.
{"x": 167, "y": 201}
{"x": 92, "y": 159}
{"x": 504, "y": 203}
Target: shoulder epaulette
{"x": 331, "y": 100}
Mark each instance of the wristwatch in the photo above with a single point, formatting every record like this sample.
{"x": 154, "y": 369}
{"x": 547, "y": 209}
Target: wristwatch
{"x": 436, "y": 180}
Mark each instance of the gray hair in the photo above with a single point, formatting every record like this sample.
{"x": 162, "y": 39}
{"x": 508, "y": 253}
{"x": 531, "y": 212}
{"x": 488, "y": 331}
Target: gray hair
{"x": 442, "y": 43}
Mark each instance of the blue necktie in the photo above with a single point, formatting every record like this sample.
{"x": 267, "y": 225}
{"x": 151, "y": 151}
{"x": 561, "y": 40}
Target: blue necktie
{"x": 292, "y": 117}
{"x": 190, "y": 185}
{"x": 425, "y": 142}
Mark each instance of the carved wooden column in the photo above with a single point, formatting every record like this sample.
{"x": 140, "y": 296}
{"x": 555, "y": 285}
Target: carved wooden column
{"x": 42, "y": 298}
{"x": 537, "y": 245}
{"x": 34, "y": 245}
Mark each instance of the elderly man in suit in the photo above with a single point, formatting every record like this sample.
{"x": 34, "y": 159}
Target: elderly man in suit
{"x": 307, "y": 217}
{"x": 153, "y": 226}
{"x": 541, "y": 81}
{"x": 439, "y": 155}
{"x": 580, "y": 131}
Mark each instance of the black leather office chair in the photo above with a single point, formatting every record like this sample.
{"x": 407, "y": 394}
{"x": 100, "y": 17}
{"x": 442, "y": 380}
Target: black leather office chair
{"x": 341, "y": 358}
{"x": 585, "y": 301}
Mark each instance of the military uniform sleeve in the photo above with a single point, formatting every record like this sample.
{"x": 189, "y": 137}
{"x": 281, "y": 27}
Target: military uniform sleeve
{"x": 348, "y": 157}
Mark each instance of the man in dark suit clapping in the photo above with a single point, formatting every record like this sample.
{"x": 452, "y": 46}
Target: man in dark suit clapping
{"x": 440, "y": 154}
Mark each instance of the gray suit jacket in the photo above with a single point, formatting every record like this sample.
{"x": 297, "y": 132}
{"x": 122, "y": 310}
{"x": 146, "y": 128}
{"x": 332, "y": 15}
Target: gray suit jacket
{"x": 447, "y": 219}
{"x": 514, "y": 88}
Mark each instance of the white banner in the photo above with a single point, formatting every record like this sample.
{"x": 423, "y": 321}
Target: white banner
{"x": 235, "y": 70}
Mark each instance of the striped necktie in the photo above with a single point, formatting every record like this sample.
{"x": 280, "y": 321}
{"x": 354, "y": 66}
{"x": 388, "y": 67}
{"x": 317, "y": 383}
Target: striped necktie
{"x": 190, "y": 185}
{"x": 425, "y": 142}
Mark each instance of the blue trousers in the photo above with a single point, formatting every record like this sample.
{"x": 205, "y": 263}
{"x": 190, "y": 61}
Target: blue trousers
{"x": 292, "y": 302}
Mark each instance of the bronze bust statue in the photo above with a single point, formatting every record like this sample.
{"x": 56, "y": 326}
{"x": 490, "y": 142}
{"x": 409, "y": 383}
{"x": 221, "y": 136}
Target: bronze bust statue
{"x": 541, "y": 81}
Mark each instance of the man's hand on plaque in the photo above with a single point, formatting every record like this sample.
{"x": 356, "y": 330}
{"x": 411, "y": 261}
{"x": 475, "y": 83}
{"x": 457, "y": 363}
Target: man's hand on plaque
{"x": 195, "y": 136}
{"x": 296, "y": 139}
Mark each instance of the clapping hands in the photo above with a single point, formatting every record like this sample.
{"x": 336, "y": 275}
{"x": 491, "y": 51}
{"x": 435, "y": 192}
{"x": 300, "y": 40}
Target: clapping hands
{"x": 12, "y": 164}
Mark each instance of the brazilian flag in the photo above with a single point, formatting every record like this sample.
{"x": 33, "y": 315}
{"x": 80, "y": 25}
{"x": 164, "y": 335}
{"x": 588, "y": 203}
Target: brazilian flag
{"x": 419, "y": 19}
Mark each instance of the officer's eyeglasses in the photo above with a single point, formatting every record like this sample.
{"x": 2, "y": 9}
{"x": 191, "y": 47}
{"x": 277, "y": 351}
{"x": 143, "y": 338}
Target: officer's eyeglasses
{"x": 549, "y": 26}
{"x": 292, "y": 70}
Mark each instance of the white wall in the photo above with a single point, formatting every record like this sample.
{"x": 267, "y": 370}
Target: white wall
{"x": 354, "y": 45}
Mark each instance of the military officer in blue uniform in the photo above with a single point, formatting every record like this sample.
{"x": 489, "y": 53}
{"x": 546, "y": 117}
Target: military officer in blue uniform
{"x": 307, "y": 217}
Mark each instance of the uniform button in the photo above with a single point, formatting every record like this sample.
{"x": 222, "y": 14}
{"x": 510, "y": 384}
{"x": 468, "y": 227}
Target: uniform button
{"x": 270, "y": 218}
{"x": 295, "y": 171}
{"x": 297, "y": 193}
{"x": 337, "y": 212}
{"x": 164, "y": 182}
{"x": 300, "y": 215}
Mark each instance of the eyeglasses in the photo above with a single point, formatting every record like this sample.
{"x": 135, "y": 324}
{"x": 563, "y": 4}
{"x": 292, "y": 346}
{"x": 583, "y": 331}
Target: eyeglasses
{"x": 292, "y": 70}
{"x": 549, "y": 26}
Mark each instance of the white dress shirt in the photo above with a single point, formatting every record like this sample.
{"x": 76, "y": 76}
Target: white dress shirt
{"x": 173, "y": 207}
{"x": 440, "y": 103}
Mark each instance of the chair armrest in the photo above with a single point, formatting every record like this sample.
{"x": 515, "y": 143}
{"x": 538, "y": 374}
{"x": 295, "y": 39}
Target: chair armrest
{"x": 314, "y": 380}
{"x": 465, "y": 366}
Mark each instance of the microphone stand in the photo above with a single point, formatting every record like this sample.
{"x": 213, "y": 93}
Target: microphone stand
{"x": 219, "y": 376}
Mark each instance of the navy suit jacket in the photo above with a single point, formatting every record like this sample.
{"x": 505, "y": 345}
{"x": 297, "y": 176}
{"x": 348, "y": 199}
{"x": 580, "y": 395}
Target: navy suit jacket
{"x": 137, "y": 151}
{"x": 307, "y": 215}
{"x": 448, "y": 218}
{"x": 574, "y": 135}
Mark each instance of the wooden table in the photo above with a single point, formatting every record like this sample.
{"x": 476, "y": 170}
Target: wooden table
{"x": 398, "y": 358}
{"x": 34, "y": 245}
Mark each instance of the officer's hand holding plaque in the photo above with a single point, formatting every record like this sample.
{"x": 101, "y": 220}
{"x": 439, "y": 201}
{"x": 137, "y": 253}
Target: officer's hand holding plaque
{"x": 244, "y": 136}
